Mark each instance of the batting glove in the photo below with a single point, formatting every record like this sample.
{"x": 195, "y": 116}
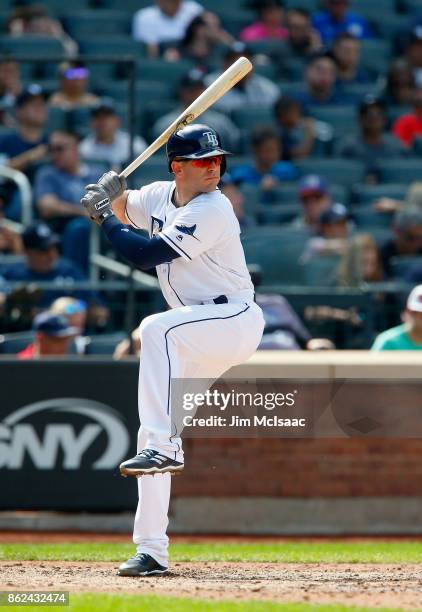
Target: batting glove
{"x": 112, "y": 184}
{"x": 97, "y": 204}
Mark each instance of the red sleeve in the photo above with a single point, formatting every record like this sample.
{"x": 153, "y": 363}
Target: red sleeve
{"x": 403, "y": 129}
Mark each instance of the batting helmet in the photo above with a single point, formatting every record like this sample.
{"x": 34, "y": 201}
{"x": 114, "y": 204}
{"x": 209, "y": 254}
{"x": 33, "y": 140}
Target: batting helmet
{"x": 193, "y": 142}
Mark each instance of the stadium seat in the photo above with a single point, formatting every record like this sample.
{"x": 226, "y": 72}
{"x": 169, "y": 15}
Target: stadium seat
{"x": 411, "y": 6}
{"x": 320, "y": 271}
{"x": 277, "y": 252}
{"x": 234, "y": 20}
{"x": 81, "y": 25}
{"x": 218, "y": 6}
{"x": 367, "y": 194}
{"x": 31, "y": 46}
{"x": 375, "y": 54}
{"x": 117, "y": 46}
{"x": 58, "y": 7}
{"x": 389, "y": 25}
{"x": 103, "y": 344}
{"x": 287, "y": 193}
{"x": 343, "y": 119}
{"x": 400, "y": 170}
{"x": 252, "y": 195}
{"x": 400, "y": 265}
{"x": 310, "y": 5}
{"x": 130, "y": 6}
{"x": 154, "y": 169}
{"x": 250, "y": 116}
{"x": 337, "y": 170}
{"x": 371, "y": 9}
{"x": 162, "y": 71}
{"x": 367, "y": 218}
{"x": 277, "y": 214}
{"x": 11, "y": 344}
{"x": 417, "y": 145}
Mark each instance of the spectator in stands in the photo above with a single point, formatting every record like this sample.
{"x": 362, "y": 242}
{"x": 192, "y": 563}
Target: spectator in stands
{"x": 406, "y": 238}
{"x": 165, "y": 22}
{"x": 320, "y": 83}
{"x": 372, "y": 144}
{"x": 253, "y": 90}
{"x": 408, "y": 335}
{"x": 58, "y": 189}
{"x": 26, "y": 147}
{"x": 413, "y": 53}
{"x": 314, "y": 196}
{"x": 303, "y": 39}
{"x": 413, "y": 200}
{"x": 10, "y": 88}
{"x": 231, "y": 190}
{"x": 53, "y": 336}
{"x": 73, "y": 85}
{"x": 266, "y": 171}
{"x": 107, "y": 142}
{"x": 346, "y": 53}
{"x": 297, "y": 132}
{"x": 191, "y": 86}
{"x": 10, "y": 241}
{"x": 336, "y": 18}
{"x": 408, "y": 126}
{"x": 361, "y": 263}
{"x": 35, "y": 21}
{"x": 201, "y": 42}
{"x": 42, "y": 263}
{"x": 399, "y": 85}
{"x": 332, "y": 233}
{"x": 76, "y": 314}
{"x": 270, "y": 23}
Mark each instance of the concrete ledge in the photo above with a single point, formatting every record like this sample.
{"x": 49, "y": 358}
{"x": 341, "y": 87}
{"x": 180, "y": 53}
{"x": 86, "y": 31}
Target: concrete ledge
{"x": 248, "y": 516}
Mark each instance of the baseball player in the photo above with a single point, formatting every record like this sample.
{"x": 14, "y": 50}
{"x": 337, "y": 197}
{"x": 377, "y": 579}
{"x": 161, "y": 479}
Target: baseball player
{"x": 213, "y": 322}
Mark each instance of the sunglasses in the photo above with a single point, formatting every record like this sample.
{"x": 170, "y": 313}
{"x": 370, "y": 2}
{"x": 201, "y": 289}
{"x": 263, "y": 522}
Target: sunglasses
{"x": 204, "y": 162}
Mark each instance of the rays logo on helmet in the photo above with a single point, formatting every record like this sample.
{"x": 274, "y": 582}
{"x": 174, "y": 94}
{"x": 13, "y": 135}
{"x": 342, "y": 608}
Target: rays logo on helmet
{"x": 212, "y": 138}
{"x": 189, "y": 230}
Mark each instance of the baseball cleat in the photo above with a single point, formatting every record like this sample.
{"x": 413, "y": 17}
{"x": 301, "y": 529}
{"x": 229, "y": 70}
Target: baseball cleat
{"x": 142, "y": 564}
{"x": 151, "y": 462}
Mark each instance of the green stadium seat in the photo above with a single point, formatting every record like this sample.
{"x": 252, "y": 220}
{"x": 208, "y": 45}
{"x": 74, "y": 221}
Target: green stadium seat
{"x": 277, "y": 252}
{"x": 402, "y": 263}
{"x": 31, "y": 46}
{"x": 10, "y": 344}
{"x": 337, "y": 170}
{"x": 97, "y": 23}
{"x": 103, "y": 344}
{"x": 417, "y": 145}
{"x": 400, "y": 170}
{"x": 145, "y": 92}
{"x": 375, "y": 54}
{"x": 252, "y": 196}
{"x": 250, "y": 116}
{"x": 343, "y": 119}
{"x": 117, "y": 46}
{"x": 373, "y": 8}
{"x": 287, "y": 193}
{"x": 129, "y": 6}
{"x": 367, "y": 218}
{"x": 294, "y": 69}
{"x": 320, "y": 271}
{"x": 277, "y": 214}
{"x": 219, "y": 6}
{"x": 58, "y": 7}
{"x": 394, "y": 112}
{"x": 367, "y": 194}
{"x": 234, "y": 20}
{"x": 310, "y": 5}
{"x": 388, "y": 25}
{"x": 159, "y": 70}
{"x": 411, "y": 6}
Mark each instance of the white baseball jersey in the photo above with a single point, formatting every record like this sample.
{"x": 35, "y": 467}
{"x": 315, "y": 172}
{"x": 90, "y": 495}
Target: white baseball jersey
{"x": 205, "y": 233}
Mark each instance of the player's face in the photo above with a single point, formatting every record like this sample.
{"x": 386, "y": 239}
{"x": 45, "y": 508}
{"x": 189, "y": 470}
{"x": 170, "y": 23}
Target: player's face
{"x": 202, "y": 175}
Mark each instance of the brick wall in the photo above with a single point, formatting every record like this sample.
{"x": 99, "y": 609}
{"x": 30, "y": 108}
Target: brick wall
{"x": 301, "y": 468}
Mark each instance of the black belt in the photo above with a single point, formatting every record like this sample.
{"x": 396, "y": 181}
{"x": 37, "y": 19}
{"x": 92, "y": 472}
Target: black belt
{"x": 221, "y": 299}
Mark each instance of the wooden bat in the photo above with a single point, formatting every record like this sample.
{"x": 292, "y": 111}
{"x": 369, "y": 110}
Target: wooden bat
{"x": 226, "y": 81}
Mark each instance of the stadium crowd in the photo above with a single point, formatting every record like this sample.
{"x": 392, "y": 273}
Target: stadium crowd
{"x": 325, "y": 179}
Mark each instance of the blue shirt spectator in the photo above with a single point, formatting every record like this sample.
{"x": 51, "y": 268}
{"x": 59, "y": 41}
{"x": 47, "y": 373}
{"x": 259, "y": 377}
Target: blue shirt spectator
{"x": 336, "y": 19}
{"x": 320, "y": 84}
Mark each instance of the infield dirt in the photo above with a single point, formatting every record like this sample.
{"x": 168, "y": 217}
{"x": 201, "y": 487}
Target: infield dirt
{"x": 392, "y": 585}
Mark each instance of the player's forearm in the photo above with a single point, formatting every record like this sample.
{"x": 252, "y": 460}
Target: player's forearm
{"x": 144, "y": 253}
{"x": 119, "y": 207}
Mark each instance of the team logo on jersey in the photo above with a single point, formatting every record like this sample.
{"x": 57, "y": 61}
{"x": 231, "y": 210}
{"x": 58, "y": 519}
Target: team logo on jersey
{"x": 189, "y": 230}
{"x": 156, "y": 226}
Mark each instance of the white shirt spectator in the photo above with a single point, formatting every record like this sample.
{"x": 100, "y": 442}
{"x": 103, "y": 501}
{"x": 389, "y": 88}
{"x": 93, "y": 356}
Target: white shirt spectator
{"x": 152, "y": 26}
{"x": 257, "y": 90}
{"x": 116, "y": 153}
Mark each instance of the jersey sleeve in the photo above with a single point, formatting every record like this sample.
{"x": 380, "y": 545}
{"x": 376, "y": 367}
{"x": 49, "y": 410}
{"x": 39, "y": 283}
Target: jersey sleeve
{"x": 197, "y": 229}
{"x": 136, "y": 208}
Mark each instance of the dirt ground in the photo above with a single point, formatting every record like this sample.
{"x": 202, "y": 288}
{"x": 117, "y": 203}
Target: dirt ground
{"x": 358, "y": 584}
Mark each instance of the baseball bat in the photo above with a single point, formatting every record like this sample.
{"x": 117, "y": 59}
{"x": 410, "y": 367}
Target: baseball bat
{"x": 218, "y": 88}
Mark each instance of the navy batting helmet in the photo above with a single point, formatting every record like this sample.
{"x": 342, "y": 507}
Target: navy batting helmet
{"x": 193, "y": 142}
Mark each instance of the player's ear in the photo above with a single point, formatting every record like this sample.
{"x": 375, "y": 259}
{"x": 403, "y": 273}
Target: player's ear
{"x": 176, "y": 167}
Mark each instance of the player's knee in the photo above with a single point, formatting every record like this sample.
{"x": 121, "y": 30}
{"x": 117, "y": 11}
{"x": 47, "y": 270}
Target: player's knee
{"x": 150, "y": 327}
